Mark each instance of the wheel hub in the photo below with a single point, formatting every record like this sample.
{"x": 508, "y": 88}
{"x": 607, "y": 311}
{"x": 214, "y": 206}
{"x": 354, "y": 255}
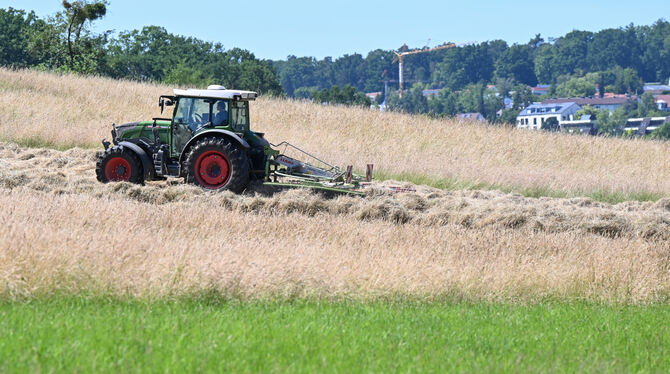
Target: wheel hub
{"x": 117, "y": 169}
{"x": 212, "y": 169}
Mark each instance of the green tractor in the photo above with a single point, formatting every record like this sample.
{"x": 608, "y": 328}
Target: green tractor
{"x": 208, "y": 142}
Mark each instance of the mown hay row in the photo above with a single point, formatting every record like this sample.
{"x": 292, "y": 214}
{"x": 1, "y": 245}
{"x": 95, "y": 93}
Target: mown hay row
{"x": 72, "y": 172}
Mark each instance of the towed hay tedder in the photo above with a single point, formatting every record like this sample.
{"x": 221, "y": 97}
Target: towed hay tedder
{"x": 208, "y": 142}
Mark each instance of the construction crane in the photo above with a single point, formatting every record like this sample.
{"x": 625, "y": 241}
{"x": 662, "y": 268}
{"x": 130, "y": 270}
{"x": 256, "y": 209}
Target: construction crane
{"x": 399, "y": 57}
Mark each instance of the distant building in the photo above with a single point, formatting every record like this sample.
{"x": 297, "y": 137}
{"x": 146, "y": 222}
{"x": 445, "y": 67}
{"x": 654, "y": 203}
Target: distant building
{"x": 508, "y": 102}
{"x": 612, "y": 94}
{"x": 540, "y": 89}
{"x": 609, "y": 103}
{"x": 656, "y": 88}
{"x": 644, "y": 126}
{"x": 472, "y": 116}
{"x": 533, "y": 116}
{"x": 373, "y": 95}
{"x": 663, "y": 102}
{"x": 585, "y": 125}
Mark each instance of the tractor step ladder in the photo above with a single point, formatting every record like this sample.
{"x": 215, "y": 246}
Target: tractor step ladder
{"x": 159, "y": 163}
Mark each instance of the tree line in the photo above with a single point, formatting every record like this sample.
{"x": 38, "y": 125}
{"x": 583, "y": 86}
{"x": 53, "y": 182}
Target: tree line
{"x": 624, "y": 56}
{"x": 614, "y": 60}
{"x": 64, "y": 42}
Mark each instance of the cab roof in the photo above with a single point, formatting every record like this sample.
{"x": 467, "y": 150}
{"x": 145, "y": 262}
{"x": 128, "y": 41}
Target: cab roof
{"x": 217, "y": 92}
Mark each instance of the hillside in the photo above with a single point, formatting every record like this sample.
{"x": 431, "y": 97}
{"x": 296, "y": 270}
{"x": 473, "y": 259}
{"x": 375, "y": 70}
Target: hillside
{"x": 48, "y": 109}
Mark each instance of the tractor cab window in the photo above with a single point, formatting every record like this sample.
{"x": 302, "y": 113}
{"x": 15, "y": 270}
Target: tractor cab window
{"x": 192, "y": 113}
{"x": 239, "y": 118}
{"x": 190, "y": 116}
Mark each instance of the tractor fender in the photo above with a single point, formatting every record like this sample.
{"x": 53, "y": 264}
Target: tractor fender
{"x": 147, "y": 165}
{"x": 219, "y": 132}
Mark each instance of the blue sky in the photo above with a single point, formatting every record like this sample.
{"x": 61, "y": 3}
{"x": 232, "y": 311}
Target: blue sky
{"x": 276, "y": 29}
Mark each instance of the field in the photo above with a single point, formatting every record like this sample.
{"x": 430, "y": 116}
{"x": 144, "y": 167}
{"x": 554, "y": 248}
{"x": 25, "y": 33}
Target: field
{"x": 47, "y": 109}
{"x": 529, "y": 223}
{"x": 69, "y": 335}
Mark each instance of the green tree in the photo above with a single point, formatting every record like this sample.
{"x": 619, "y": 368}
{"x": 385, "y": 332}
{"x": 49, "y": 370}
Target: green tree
{"x": 471, "y": 100}
{"x": 412, "y": 100}
{"x": 77, "y": 14}
{"x": 576, "y": 87}
{"x": 521, "y": 97}
{"x": 378, "y": 67}
{"x": 350, "y": 69}
{"x": 508, "y": 117}
{"x": 347, "y": 95}
{"x": 504, "y": 86}
{"x": 571, "y": 53}
{"x": 662, "y": 132}
{"x": 544, "y": 63}
{"x": 517, "y": 63}
{"x": 587, "y": 110}
{"x": 304, "y": 92}
{"x": 647, "y": 106}
{"x": 492, "y": 104}
{"x": 183, "y": 75}
{"x": 463, "y": 66}
{"x": 629, "y": 81}
{"x": 444, "y": 103}
{"x": 16, "y": 28}
{"x": 617, "y": 120}
{"x": 550, "y": 124}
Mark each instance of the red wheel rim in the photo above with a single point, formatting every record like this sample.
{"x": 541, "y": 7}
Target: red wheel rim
{"x": 212, "y": 169}
{"x": 117, "y": 169}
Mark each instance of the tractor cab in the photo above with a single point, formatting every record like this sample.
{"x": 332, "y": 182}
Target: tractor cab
{"x": 197, "y": 111}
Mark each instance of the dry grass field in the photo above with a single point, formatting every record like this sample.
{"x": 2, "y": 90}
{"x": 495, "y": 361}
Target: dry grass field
{"x": 61, "y": 232}
{"x": 68, "y": 110}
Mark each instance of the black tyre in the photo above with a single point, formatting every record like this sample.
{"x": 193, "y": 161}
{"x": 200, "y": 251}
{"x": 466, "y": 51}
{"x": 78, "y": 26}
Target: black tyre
{"x": 216, "y": 163}
{"x": 119, "y": 164}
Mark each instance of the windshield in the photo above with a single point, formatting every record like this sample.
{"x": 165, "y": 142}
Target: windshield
{"x": 192, "y": 113}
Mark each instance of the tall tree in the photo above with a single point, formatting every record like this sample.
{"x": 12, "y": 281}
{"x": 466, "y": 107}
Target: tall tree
{"x": 517, "y": 63}
{"x": 77, "y": 13}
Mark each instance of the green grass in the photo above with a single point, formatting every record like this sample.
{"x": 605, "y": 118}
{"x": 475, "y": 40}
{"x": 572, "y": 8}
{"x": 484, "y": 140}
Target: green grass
{"x": 37, "y": 142}
{"x": 453, "y": 184}
{"x": 79, "y": 334}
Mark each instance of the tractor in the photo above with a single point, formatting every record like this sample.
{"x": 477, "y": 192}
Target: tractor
{"x": 208, "y": 142}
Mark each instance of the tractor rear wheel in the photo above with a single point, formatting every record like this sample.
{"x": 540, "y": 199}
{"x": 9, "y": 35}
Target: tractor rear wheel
{"x": 216, "y": 163}
{"x": 119, "y": 164}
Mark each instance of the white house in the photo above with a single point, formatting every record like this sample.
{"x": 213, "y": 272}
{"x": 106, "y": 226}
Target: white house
{"x": 533, "y": 116}
{"x": 663, "y": 102}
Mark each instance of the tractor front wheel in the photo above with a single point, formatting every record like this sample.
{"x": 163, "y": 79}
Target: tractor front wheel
{"x": 119, "y": 164}
{"x": 216, "y": 163}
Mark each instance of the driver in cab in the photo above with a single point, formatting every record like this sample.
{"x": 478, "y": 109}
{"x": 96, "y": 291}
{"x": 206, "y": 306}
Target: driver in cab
{"x": 220, "y": 113}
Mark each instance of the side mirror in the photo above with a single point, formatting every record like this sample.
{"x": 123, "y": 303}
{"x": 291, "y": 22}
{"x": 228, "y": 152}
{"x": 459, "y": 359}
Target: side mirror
{"x": 163, "y": 101}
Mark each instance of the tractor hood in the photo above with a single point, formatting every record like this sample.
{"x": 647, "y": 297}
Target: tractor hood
{"x": 120, "y": 129}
